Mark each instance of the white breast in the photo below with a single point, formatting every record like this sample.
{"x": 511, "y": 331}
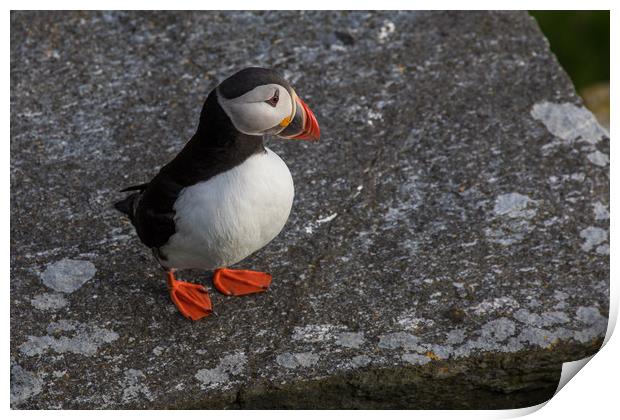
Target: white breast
{"x": 223, "y": 220}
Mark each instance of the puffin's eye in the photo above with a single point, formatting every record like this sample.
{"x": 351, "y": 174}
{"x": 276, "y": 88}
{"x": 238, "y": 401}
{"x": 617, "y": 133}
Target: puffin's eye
{"x": 273, "y": 101}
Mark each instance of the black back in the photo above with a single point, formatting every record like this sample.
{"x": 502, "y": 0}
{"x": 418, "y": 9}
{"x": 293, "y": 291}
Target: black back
{"x": 216, "y": 147}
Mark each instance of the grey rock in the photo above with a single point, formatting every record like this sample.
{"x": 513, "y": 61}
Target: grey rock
{"x": 232, "y": 364}
{"x": 360, "y": 361}
{"x": 598, "y": 158}
{"x": 48, "y": 301}
{"x": 24, "y": 385}
{"x": 451, "y": 190}
{"x": 68, "y": 275}
{"x": 600, "y": 211}
{"x": 314, "y": 333}
{"x": 589, "y": 315}
{"x": 541, "y": 320}
{"x": 536, "y": 336}
{"x": 133, "y": 386}
{"x": 592, "y": 236}
{"x": 569, "y": 122}
{"x": 399, "y": 340}
{"x": 350, "y": 339}
{"x": 86, "y": 340}
{"x": 554, "y": 317}
{"x": 416, "y": 359}
{"x": 294, "y": 360}
{"x": 603, "y": 249}
{"x": 455, "y": 336}
{"x": 498, "y": 329}
{"x": 513, "y": 205}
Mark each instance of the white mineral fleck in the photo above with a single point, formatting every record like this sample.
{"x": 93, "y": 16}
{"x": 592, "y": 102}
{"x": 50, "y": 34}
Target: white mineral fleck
{"x": 598, "y": 158}
{"x": 603, "y": 249}
{"x": 86, "y": 339}
{"x": 293, "y": 360}
{"x": 133, "y": 386}
{"x": 513, "y": 205}
{"x": 593, "y": 236}
{"x": 350, "y": 339}
{"x": 48, "y": 301}
{"x": 386, "y": 30}
{"x": 600, "y": 211}
{"x": 360, "y": 361}
{"x": 498, "y": 329}
{"x": 24, "y": 384}
{"x": 399, "y": 340}
{"x": 232, "y": 364}
{"x": 569, "y": 122}
{"x": 67, "y": 275}
{"x": 455, "y": 336}
{"x": 313, "y": 333}
{"x": 416, "y": 359}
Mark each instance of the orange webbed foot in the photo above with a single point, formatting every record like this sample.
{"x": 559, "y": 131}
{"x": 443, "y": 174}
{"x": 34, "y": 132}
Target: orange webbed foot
{"x": 240, "y": 282}
{"x": 191, "y": 299}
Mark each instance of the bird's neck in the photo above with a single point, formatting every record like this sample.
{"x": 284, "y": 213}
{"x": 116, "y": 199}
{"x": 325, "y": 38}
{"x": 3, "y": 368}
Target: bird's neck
{"x": 216, "y": 132}
{"x": 216, "y": 147}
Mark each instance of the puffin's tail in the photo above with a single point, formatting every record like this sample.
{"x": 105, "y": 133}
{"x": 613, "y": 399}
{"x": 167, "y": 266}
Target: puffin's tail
{"x": 129, "y": 204}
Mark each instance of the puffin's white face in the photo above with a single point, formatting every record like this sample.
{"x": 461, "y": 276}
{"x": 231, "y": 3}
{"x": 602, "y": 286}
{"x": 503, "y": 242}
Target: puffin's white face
{"x": 266, "y": 109}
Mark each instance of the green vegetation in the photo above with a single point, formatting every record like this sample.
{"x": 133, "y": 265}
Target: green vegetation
{"x": 580, "y": 40}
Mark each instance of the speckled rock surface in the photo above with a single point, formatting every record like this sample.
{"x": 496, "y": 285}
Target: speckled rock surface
{"x": 448, "y": 245}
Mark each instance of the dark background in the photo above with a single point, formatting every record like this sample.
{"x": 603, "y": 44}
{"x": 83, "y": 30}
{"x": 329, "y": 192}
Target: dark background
{"x": 580, "y": 41}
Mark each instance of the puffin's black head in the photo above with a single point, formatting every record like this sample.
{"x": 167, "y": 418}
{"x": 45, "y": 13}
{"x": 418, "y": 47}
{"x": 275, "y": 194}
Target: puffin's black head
{"x": 259, "y": 101}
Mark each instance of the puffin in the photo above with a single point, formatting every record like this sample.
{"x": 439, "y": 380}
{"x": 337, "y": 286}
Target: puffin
{"x": 225, "y": 195}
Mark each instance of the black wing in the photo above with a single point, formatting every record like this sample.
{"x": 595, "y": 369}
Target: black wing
{"x": 151, "y": 209}
{"x": 216, "y": 147}
{"x": 140, "y": 187}
{"x": 128, "y": 205}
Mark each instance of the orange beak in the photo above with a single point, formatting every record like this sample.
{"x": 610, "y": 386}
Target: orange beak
{"x": 304, "y": 125}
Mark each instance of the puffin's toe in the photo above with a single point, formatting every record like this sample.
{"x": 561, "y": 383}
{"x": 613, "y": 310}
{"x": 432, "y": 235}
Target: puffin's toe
{"x": 240, "y": 282}
{"x": 191, "y": 299}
